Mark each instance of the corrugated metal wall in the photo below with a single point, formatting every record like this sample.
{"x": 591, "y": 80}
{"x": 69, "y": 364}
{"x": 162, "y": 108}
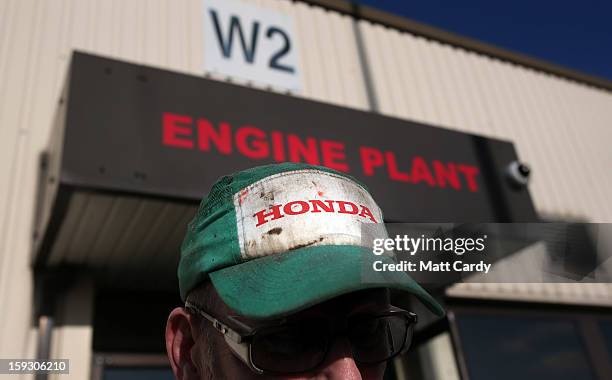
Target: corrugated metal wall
{"x": 560, "y": 127}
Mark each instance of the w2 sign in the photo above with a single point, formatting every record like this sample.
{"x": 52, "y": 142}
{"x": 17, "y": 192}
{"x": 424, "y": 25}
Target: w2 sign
{"x": 252, "y": 43}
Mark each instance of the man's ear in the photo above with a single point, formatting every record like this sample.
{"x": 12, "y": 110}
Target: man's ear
{"x": 180, "y": 341}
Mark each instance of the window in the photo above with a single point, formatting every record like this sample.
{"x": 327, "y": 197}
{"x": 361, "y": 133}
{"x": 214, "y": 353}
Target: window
{"x": 138, "y": 373}
{"x": 509, "y": 348}
{"x": 531, "y": 342}
{"x": 606, "y": 332}
{"x": 123, "y": 366}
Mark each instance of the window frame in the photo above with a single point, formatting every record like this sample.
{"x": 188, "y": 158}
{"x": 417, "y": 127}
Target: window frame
{"x": 586, "y": 318}
{"x": 103, "y": 360}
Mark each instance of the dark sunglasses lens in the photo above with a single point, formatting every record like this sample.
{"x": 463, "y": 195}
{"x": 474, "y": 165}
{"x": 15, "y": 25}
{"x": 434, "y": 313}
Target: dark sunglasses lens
{"x": 377, "y": 339}
{"x": 292, "y": 349}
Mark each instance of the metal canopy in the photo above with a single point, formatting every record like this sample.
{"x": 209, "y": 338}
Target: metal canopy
{"x": 134, "y": 149}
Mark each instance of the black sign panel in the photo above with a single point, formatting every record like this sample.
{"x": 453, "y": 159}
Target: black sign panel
{"x": 149, "y": 131}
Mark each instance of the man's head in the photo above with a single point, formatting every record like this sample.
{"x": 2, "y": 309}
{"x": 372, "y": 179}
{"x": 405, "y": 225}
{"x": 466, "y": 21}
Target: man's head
{"x": 198, "y": 351}
{"x": 274, "y": 252}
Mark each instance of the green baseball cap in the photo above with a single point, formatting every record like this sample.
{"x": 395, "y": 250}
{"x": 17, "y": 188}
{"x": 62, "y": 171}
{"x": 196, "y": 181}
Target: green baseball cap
{"x": 280, "y": 238}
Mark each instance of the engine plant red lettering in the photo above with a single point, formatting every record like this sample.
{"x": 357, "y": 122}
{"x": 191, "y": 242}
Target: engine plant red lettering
{"x": 255, "y": 143}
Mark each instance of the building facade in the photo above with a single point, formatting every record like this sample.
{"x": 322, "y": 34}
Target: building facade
{"x": 558, "y": 120}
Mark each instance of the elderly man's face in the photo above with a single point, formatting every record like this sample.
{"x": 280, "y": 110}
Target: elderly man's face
{"x": 197, "y": 355}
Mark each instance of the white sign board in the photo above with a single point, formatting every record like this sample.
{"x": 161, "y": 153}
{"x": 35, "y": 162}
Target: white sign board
{"x": 250, "y": 42}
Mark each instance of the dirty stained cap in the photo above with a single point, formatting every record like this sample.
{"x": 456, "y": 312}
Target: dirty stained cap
{"x": 280, "y": 238}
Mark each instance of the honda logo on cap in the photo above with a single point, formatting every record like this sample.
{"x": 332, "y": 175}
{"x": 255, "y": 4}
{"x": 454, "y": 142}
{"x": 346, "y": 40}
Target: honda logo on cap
{"x": 312, "y": 206}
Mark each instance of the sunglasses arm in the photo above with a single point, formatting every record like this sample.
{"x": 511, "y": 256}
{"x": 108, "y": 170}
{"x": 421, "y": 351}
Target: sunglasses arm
{"x": 228, "y": 333}
{"x": 233, "y": 339}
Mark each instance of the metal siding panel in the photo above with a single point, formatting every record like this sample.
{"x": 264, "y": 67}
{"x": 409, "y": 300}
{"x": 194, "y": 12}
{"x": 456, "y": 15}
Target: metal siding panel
{"x": 82, "y": 22}
{"x": 170, "y": 251}
{"x": 151, "y": 240}
{"x": 173, "y": 235}
{"x": 144, "y": 220}
{"x": 328, "y": 55}
{"x": 583, "y": 294}
{"x": 67, "y": 232}
{"x": 87, "y": 229}
{"x": 131, "y": 234}
{"x": 564, "y": 152}
{"x": 489, "y": 92}
{"x": 20, "y": 69}
{"x": 104, "y": 43}
{"x": 391, "y": 79}
{"x": 352, "y": 72}
{"x": 325, "y": 52}
{"x": 417, "y": 87}
{"x": 128, "y": 35}
{"x": 60, "y": 62}
{"x": 522, "y": 132}
{"x": 561, "y": 151}
{"x": 172, "y": 216}
{"x": 455, "y": 88}
{"x": 118, "y": 224}
{"x": 160, "y": 255}
{"x": 177, "y": 36}
{"x": 440, "y": 64}
{"x": 16, "y": 85}
{"x": 541, "y": 113}
{"x": 404, "y": 80}
{"x": 588, "y": 133}
{"x": 470, "y": 77}
{"x": 374, "y": 62}
{"x": 442, "y": 116}
{"x": 312, "y": 83}
{"x": 377, "y": 45}
{"x": 543, "y": 160}
{"x": 152, "y": 33}
{"x": 106, "y": 238}
{"x": 72, "y": 336}
{"x": 429, "y": 93}
{"x": 599, "y": 143}
{"x": 338, "y": 51}
{"x": 154, "y": 236}
{"x": 104, "y": 204}
{"x": 195, "y": 37}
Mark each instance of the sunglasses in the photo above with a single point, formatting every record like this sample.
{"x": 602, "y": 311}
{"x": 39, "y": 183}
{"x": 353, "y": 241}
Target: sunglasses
{"x": 291, "y": 346}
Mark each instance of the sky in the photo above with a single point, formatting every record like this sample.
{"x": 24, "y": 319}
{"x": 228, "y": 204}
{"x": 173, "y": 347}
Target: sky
{"x": 574, "y": 34}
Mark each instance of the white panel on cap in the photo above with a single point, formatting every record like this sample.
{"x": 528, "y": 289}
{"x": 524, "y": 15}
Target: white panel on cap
{"x": 311, "y": 189}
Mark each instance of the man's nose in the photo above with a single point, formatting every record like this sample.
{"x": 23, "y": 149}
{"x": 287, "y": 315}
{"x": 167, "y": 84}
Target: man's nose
{"x": 340, "y": 363}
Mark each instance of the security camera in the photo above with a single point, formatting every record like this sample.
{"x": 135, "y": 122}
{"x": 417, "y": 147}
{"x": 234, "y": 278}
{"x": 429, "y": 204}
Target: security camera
{"x": 518, "y": 173}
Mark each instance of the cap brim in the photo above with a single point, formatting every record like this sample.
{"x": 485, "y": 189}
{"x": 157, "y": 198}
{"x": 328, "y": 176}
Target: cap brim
{"x": 285, "y": 283}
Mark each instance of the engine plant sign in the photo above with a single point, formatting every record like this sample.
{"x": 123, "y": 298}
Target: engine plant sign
{"x": 174, "y": 135}
{"x": 197, "y": 133}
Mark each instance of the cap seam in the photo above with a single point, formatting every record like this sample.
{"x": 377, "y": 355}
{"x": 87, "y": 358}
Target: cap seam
{"x": 277, "y": 175}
